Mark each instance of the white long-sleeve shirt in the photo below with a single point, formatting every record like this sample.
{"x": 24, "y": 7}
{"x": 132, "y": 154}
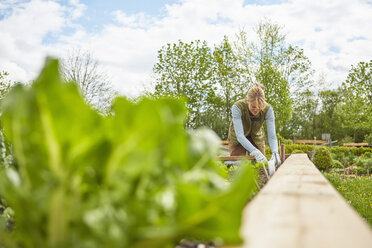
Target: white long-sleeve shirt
{"x": 239, "y": 131}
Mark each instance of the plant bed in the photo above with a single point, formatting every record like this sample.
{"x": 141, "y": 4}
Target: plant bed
{"x": 186, "y": 243}
{"x": 357, "y": 191}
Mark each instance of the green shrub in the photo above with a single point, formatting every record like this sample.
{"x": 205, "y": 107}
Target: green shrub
{"x": 298, "y": 147}
{"x": 349, "y": 155}
{"x": 297, "y": 151}
{"x": 337, "y": 164}
{"x": 368, "y": 155}
{"x": 359, "y": 170}
{"x": 356, "y": 151}
{"x": 364, "y": 162}
{"x": 337, "y": 156}
{"x": 283, "y": 140}
{"x": 322, "y": 158}
{"x": 346, "y": 139}
{"x": 368, "y": 138}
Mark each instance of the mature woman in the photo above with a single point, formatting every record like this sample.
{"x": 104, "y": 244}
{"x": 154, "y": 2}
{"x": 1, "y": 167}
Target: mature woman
{"x": 246, "y": 132}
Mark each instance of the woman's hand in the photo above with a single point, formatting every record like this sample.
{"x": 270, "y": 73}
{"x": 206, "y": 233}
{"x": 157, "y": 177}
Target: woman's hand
{"x": 276, "y": 158}
{"x": 258, "y": 156}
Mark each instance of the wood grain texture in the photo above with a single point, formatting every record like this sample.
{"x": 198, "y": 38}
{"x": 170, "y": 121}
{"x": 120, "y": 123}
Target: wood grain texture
{"x": 299, "y": 208}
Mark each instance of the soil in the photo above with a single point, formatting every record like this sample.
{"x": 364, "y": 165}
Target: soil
{"x": 185, "y": 243}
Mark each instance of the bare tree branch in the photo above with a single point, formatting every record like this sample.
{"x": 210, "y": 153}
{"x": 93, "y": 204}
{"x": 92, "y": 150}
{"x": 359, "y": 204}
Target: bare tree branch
{"x": 79, "y": 66}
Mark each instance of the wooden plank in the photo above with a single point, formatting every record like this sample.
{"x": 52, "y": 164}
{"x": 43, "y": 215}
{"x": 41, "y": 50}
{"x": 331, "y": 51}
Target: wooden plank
{"x": 234, "y": 158}
{"x": 310, "y": 141}
{"x": 355, "y": 144}
{"x": 298, "y": 207}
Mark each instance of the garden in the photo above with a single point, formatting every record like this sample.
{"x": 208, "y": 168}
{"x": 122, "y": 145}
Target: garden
{"x": 77, "y": 170}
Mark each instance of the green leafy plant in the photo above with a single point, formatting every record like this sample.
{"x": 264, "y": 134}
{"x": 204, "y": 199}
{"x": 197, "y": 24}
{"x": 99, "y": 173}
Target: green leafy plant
{"x": 337, "y": 164}
{"x": 322, "y": 158}
{"x": 365, "y": 161}
{"x": 133, "y": 179}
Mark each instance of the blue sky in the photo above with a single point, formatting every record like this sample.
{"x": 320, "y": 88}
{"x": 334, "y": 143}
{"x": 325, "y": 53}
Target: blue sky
{"x": 124, "y": 36}
{"x": 98, "y": 12}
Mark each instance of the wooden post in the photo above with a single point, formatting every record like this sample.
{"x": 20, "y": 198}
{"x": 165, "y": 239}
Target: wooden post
{"x": 282, "y": 153}
{"x": 368, "y": 173}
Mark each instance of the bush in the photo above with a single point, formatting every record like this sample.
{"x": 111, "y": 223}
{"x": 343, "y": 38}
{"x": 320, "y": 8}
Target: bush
{"x": 364, "y": 162}
{"x": 346, "y": 139}
{"x": 337, "y": 156}
{"x": 337, "y": 164}
{"x": 349, "y": 156}
{"x": 368, "y": 155}
{"x": 368, "y": 138}
{"x": 297, "y": 151}
{"x": 284, "y": 141}
{"x": 322, "y": 158}
{"x": 359, "y": 170}
{"x": 356, "y": 151}
{"x": 298, "y": 147}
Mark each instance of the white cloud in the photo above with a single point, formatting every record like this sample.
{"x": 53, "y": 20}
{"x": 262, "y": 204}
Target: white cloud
{"x": 21, "y": 35}
{"x": 334, "y": 34}
{"x": 77, "y": 9}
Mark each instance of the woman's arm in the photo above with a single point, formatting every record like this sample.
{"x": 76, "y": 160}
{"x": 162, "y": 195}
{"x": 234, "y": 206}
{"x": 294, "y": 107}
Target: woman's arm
{"x": 270, "y": 124}
{"x": 238, "y": 127}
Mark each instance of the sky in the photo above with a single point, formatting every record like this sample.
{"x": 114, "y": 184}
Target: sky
{"x": 125, "y": 36}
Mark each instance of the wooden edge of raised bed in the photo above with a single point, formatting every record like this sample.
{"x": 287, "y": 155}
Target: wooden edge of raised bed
{"x": 298, "y": 207}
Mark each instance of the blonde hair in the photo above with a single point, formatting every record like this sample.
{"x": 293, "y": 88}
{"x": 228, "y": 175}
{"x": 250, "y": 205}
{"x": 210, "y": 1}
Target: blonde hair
{"x": 256, "y": 95}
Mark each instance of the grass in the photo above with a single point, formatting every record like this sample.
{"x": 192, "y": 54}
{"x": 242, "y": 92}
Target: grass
{"x": 356, "y": 191}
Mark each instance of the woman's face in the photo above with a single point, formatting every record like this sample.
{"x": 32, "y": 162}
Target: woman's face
{"x": 254, "y": 109}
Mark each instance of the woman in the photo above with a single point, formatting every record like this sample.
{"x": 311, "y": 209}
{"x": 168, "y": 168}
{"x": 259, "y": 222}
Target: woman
{"x": 246, "y": 132}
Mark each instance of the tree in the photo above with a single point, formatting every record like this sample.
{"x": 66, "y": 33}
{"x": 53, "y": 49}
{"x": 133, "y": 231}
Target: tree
{"x": 269, "y": 60}
{"x": 79, "y": 66}
{"x": 326, "y": 118}
{"x": 209, "y": 80}
{"x": 184, "y": 70}
{"x": 212, "y": 80}
{"x": 231, "y": 84}
{"x": 6, "y": 153}
{"x": 303, "y": 123}
{"x": 355, "y": 107}
{"x": 5, "y": 84}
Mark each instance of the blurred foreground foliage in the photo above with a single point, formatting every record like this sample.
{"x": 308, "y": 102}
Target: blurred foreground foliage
{"x": 135, "y": 178}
